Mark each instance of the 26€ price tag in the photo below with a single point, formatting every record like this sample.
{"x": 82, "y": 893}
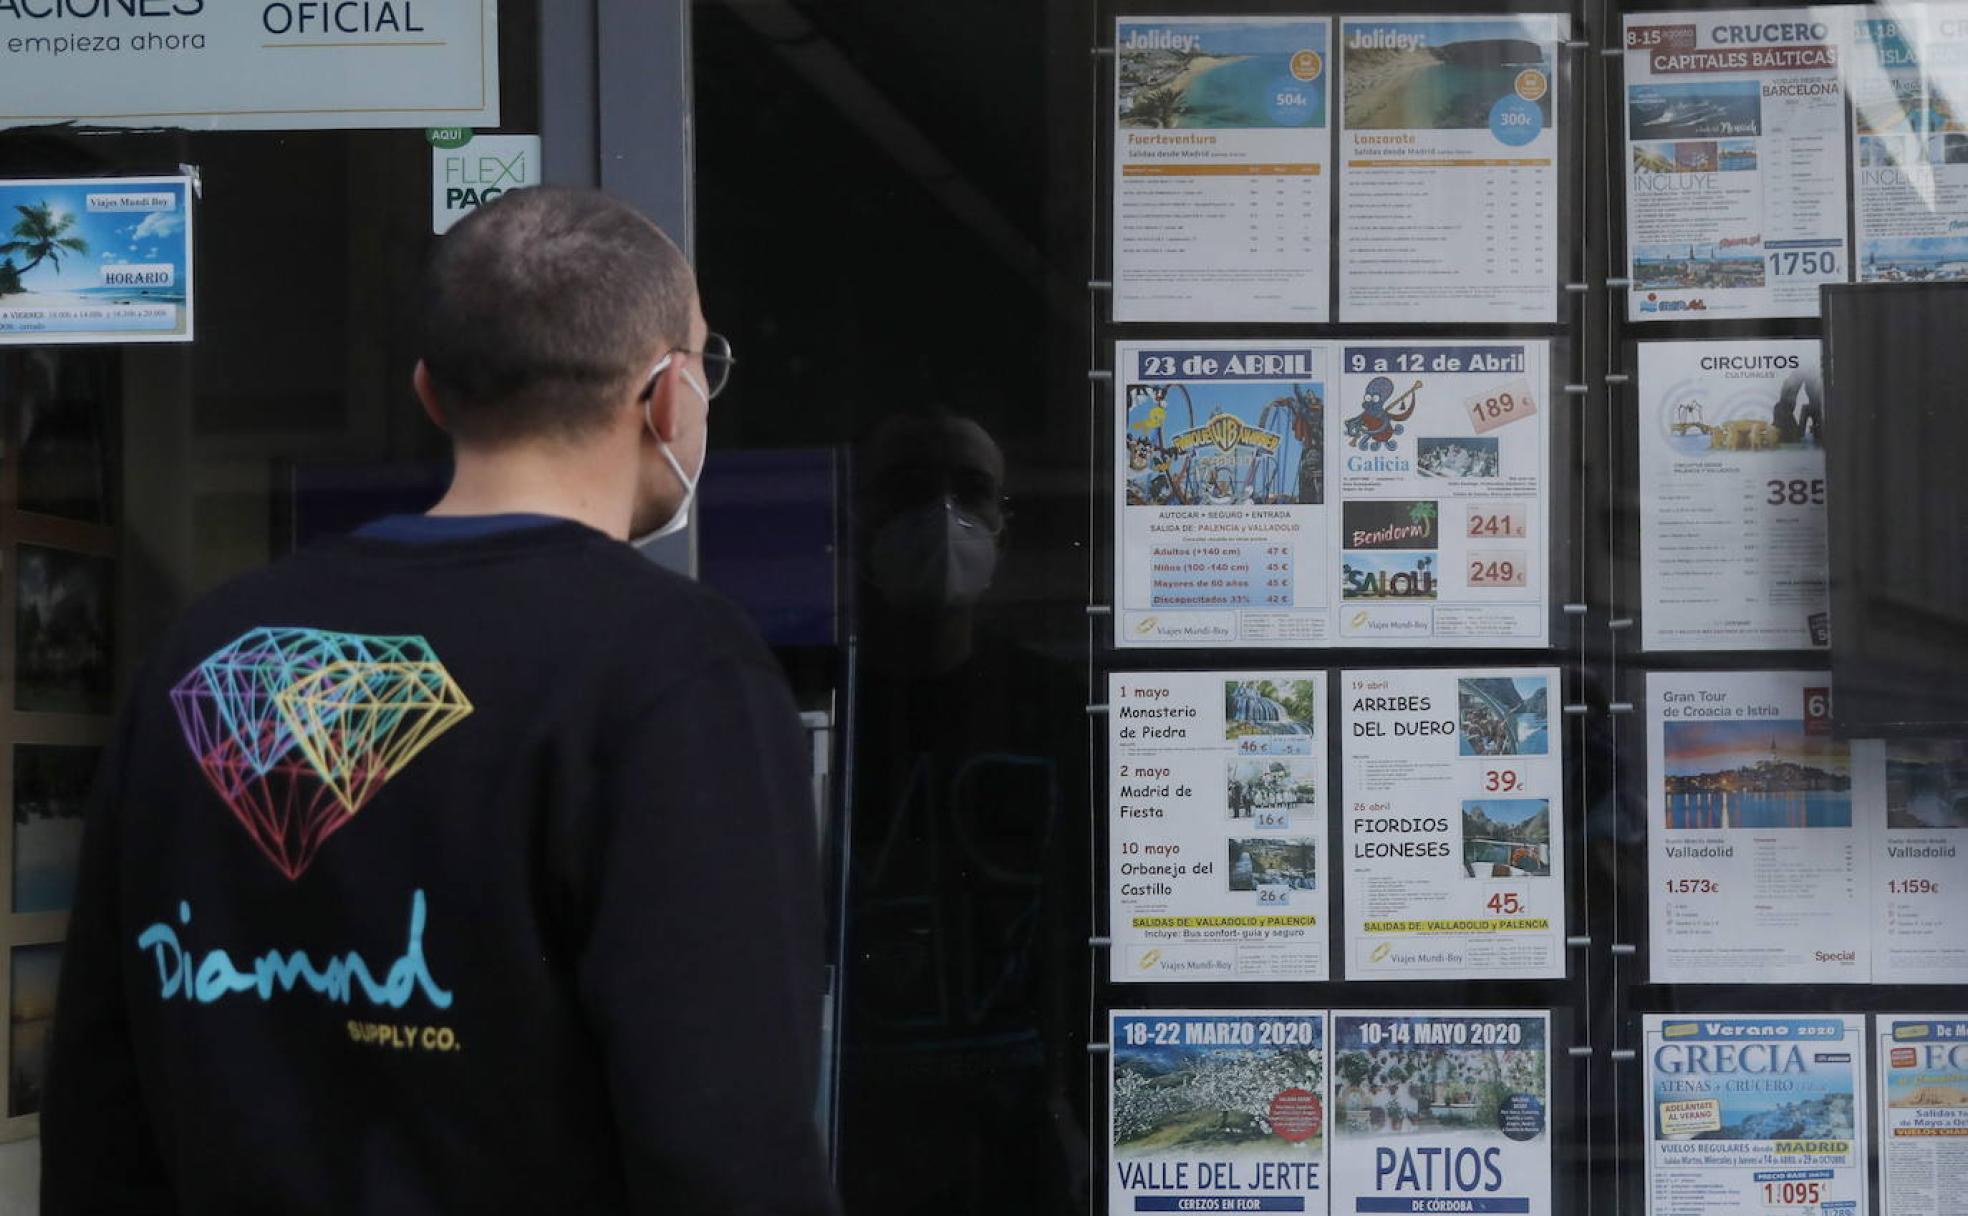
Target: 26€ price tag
{"x": 1501, "y": 405}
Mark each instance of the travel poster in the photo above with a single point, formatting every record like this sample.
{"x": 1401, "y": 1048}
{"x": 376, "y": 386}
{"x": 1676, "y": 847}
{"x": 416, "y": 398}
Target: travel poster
{"x": 1218, "y": 866}
{"x": 1214, "y": 1110}
{"x": 1915, "y": 793}
{"x": 97, "y": 259}
{"x": 1442, "y": 1112}
{"x": 1735, "y": 190}
{"x": 1923, "y": 1113}
{"x": 1908, "y": 75}
{"x": 1222, "y": 191}
{"x": 1750, "y": 1115}
{"x": 1453, "y": 819}
{"x": 1448, "y": 151}
{"x": 1732, "y": 441}
{"x": 1759, "y": 861}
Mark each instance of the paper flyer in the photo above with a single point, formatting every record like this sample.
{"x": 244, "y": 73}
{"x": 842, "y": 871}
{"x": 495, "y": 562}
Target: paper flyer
{"x": 1217, "y": 1111}
{"x": 1442, "y": 472}
{"x": 1908, "y": 68}
{"x": 95, "y": 259}
{"x": 1448, "y": 150}
{"x": 1735, "y": 190}
{"x": 1222, "y": 203}
{"x": 1917, "y": 790}
{"x": 1923, "y": 1113}
{"x": 1454, "y": 824}
{"x": 1733, "y": 550}
{"x": 1762, "y": 1116}
{"x": 1218, "y": 840}
{"x": 1442, "y": 1112}
{"x": 1758, "y": 866}
{"x": 1418, "y": 515}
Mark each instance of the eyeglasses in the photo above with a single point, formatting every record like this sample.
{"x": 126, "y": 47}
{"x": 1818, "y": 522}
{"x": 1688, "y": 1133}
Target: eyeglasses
{"x": 717, "y": 359}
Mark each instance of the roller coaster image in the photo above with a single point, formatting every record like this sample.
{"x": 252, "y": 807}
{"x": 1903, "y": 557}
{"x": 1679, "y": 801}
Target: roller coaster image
{"x": 1276, "y": 457}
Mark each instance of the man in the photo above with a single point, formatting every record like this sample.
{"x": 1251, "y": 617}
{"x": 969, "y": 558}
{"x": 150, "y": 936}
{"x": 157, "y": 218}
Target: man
{"x": 465, "y": 865}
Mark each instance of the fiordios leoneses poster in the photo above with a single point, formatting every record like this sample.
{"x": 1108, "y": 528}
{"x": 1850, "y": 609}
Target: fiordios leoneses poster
{"x": 1217, "y": 1110}
{"x": 1218, "y": 795}
{"x": 1442, "y": 1112}
{"x": 1735, "y": 191}
{"x": 1749, "y": 1114}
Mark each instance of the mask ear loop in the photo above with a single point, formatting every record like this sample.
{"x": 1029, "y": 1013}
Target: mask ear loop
{"x": 649, "y": 391}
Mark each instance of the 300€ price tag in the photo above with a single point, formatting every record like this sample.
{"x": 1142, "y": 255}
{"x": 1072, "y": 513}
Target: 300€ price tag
{"x": 1501, "y": 405}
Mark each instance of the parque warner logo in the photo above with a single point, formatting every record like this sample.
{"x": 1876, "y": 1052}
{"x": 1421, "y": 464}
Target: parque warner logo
{"x": 297, "y": 729}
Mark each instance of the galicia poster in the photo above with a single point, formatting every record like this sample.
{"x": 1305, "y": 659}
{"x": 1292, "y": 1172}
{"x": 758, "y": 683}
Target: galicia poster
{"x": 1217, "y": 1111}
{"x": 1222, "y": 192}
{"x": 1307, "y": 494}
{"x": 1454, "y": 824}
{"x": 1735, "y": 191}
{"x": 1750, "y": 1115}
{"x": 98, "y": 260}
{"x": 1218, "y": 866}
{"x": 1923, "y": 1113}
{"x": 250, "y": 64}
{"x": 1733, "y": 550}
{"x": 1442, "y": 1112}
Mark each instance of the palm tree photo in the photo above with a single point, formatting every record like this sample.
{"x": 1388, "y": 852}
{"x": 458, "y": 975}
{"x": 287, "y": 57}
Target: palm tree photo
{"x": 38, "y": 235}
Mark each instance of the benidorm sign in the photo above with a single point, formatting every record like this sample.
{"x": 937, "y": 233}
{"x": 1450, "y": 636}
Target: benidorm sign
{"x": 248, "y": 64}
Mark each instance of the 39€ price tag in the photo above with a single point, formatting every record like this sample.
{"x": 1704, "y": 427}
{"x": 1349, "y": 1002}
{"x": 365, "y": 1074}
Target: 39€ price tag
{"x": 1501, "y": 405}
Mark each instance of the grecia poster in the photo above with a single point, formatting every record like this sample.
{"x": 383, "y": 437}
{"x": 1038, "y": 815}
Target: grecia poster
{"x": 1216, "y": 1110}
{"x": 1442, "y": 1112}
{"x": 1735, "y": 192}
{"x": 1222, "y": 199}
{"x": 1218, "y": 842}
{"x": 1755, "y": 1116}
{"x": 1454, "y": 822}
{"x": 1732, "y": 496}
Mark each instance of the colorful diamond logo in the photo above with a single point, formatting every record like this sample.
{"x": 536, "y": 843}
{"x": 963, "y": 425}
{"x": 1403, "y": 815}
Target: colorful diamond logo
{"x": 298, "y": 728}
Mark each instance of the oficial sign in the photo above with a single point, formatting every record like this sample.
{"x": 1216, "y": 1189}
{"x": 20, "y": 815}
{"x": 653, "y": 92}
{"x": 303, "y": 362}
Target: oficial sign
{"x": 212, "y": 65}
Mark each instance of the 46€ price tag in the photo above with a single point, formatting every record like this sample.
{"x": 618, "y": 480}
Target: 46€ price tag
{"x": 1501, "y": 405}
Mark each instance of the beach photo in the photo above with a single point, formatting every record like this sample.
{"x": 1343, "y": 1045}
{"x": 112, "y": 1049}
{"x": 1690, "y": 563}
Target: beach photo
{"x": 30, "y": 1018}
{"x": 1506, "y": 838}
{"x": 1270, "y": 717}
{"x": 1503, "y": 716}
{"x": 1760, "y": 773}
{"x": 1926, "y": 784}
{"x": 1914, "y": 106}
{"x": 65, "y": 433}
{"x": 1457, "y": 457}
{"x": 1220, "y": 1101}
{"x": 95, "y": 259}
{"x": 1283, "y": 864}
{"x": 1442, "y": 75}
{"x": 1715, "y": 265}
{"x": 1387, "y": 576}
{"x": 1429, "y": 1083}
{"x": 1217, "y": 445}
{"x": 63, "y": 637}
{"x": 1221, "y": 75}
{"x": 51, "y": 792}
{"x": 1271, "y": 791}
{"x": 1709, "y": 110}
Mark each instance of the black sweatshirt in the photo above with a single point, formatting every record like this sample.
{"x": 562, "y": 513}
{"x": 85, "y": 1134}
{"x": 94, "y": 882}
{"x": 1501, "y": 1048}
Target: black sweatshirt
{"x": 466, "y": 876}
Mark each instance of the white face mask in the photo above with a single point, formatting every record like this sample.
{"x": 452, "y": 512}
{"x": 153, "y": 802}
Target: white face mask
{"x": 681, "y": 520}
{"x": 935, "y": 556}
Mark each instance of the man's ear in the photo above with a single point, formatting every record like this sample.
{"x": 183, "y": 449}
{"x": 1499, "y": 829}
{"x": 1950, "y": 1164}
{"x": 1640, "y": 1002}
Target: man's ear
{"x": 420, "y": 380}
{"x": 662, "y": 414}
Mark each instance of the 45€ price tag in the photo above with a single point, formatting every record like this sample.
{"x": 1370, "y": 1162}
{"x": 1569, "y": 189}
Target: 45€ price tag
{"x": 1501, "y": 405}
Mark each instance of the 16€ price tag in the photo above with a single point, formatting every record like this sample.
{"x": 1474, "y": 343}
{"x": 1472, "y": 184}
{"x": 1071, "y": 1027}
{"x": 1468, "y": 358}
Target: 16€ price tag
{"x": 1501, "y": 405}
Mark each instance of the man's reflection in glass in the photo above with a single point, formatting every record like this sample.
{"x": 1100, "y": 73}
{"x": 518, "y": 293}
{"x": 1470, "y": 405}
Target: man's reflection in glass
{"x": 963, "y": 922}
